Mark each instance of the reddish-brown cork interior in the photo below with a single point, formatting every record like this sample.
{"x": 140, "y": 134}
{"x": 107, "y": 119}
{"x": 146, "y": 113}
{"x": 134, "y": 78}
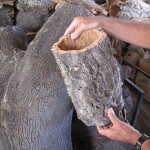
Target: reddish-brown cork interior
{"x": 86, "y": 39}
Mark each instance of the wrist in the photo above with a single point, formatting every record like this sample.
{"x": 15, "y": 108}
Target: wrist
{"x": 135, "y": 137}
{"x": 101, "y": 21}
{"x": 142, "y": 143}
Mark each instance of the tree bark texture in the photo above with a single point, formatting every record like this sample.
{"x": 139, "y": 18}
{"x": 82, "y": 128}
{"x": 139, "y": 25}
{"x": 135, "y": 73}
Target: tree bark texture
{"x": 6, "y": 16}
{"x": 32, "y": 21}
{"x": 130, "y": 9}
{"x": 91, "y": 74}
{"x": 6, "y": 2}
{"x": 25, "y": 5}
{"x": 32, "y": 14}
{"x": 134, "y": 9}
{"x": 12, "y": 40}
{"x": 88, "y": 4}
{"x": 36, "y": 108}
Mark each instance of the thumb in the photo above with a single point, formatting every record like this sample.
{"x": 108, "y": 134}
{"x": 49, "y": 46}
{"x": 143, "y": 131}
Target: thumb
{"x": 112, "y": 116}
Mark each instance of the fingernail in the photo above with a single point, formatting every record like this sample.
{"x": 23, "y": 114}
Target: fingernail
{"x": 111, "y": 110}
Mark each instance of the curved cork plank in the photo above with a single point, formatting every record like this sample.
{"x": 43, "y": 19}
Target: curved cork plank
{"x": 129, "y": 9}
{"x": 12, "y": 41}
{"x": 24, "y": 5}
{"x": 37, "y": 110}
{"x": 32, "y": 21}
{"x": 6, "y": 16}
{"x": 88, "y": 4}
{"x": 91, "y": 74}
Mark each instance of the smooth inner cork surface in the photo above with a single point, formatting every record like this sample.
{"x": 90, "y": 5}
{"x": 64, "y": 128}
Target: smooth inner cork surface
{"x": 87, "y": 40}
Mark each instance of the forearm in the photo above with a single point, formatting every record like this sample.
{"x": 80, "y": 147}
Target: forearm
{"x": 136, "y": 33}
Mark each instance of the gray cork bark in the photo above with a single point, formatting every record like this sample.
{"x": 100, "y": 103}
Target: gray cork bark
{"x": 36, "y": 108}
{"x": 92, "y": 77}
{"x": 134, "y": 9}
{"x": 6, "y": 16}
{"x": 13, "y": 42}
{"x": 32, "y": 21}
{"x": 25, "y": 5}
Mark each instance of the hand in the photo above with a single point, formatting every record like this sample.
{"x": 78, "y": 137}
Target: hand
{"x": 119, "y": 130}
{"x": 81, "y": 24}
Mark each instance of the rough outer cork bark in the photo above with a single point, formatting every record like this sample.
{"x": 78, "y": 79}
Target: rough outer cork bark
{"x": 134, "y": 9}
{"x": 24, "y": 5}
{"x": 88, "y": 4}
{"x": 6, "y": 2}
{"x": 6, "y": 16}
{"x": 12, "y": 40}
{"x": 32, "y": 21}
{"x": 6, "y": 70}
{"x": 36, "y": 109}
{"x": 130, "y": 9}
{"x": 91, "y": 74}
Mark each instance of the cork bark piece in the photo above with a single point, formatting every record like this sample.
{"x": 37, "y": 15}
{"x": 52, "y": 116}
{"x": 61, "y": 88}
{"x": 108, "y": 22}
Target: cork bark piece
{"x": 88, "y": 4}
{"x": 91, "y": 75}
{"x": 128, "y": 9}
{"x": 7, "y": 2}
{"x": 32, "y": 21}
{"x": 6, "y": 16}
{"x": 134, "y": 9}
{"x": 37, "y": 110}
{"x": 24, "y": 5}
{"x": 12, "y": 40}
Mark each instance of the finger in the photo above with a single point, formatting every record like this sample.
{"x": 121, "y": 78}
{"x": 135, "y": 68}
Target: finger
{"x": 76, "y": 33}
{"x": 69, "y": 30}
{"x": 112, "y": 116}
{"x": 104, "y": 132}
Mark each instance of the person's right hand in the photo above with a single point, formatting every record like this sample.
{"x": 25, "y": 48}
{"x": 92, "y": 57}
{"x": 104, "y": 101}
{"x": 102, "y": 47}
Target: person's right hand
{"x": 119, "y": 130}
{"x": 81, "y": 24}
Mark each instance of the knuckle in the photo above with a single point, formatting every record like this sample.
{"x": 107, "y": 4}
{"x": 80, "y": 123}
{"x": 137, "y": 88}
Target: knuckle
{"x": 76, "y": 19}
{"x": 82, "y": 25}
